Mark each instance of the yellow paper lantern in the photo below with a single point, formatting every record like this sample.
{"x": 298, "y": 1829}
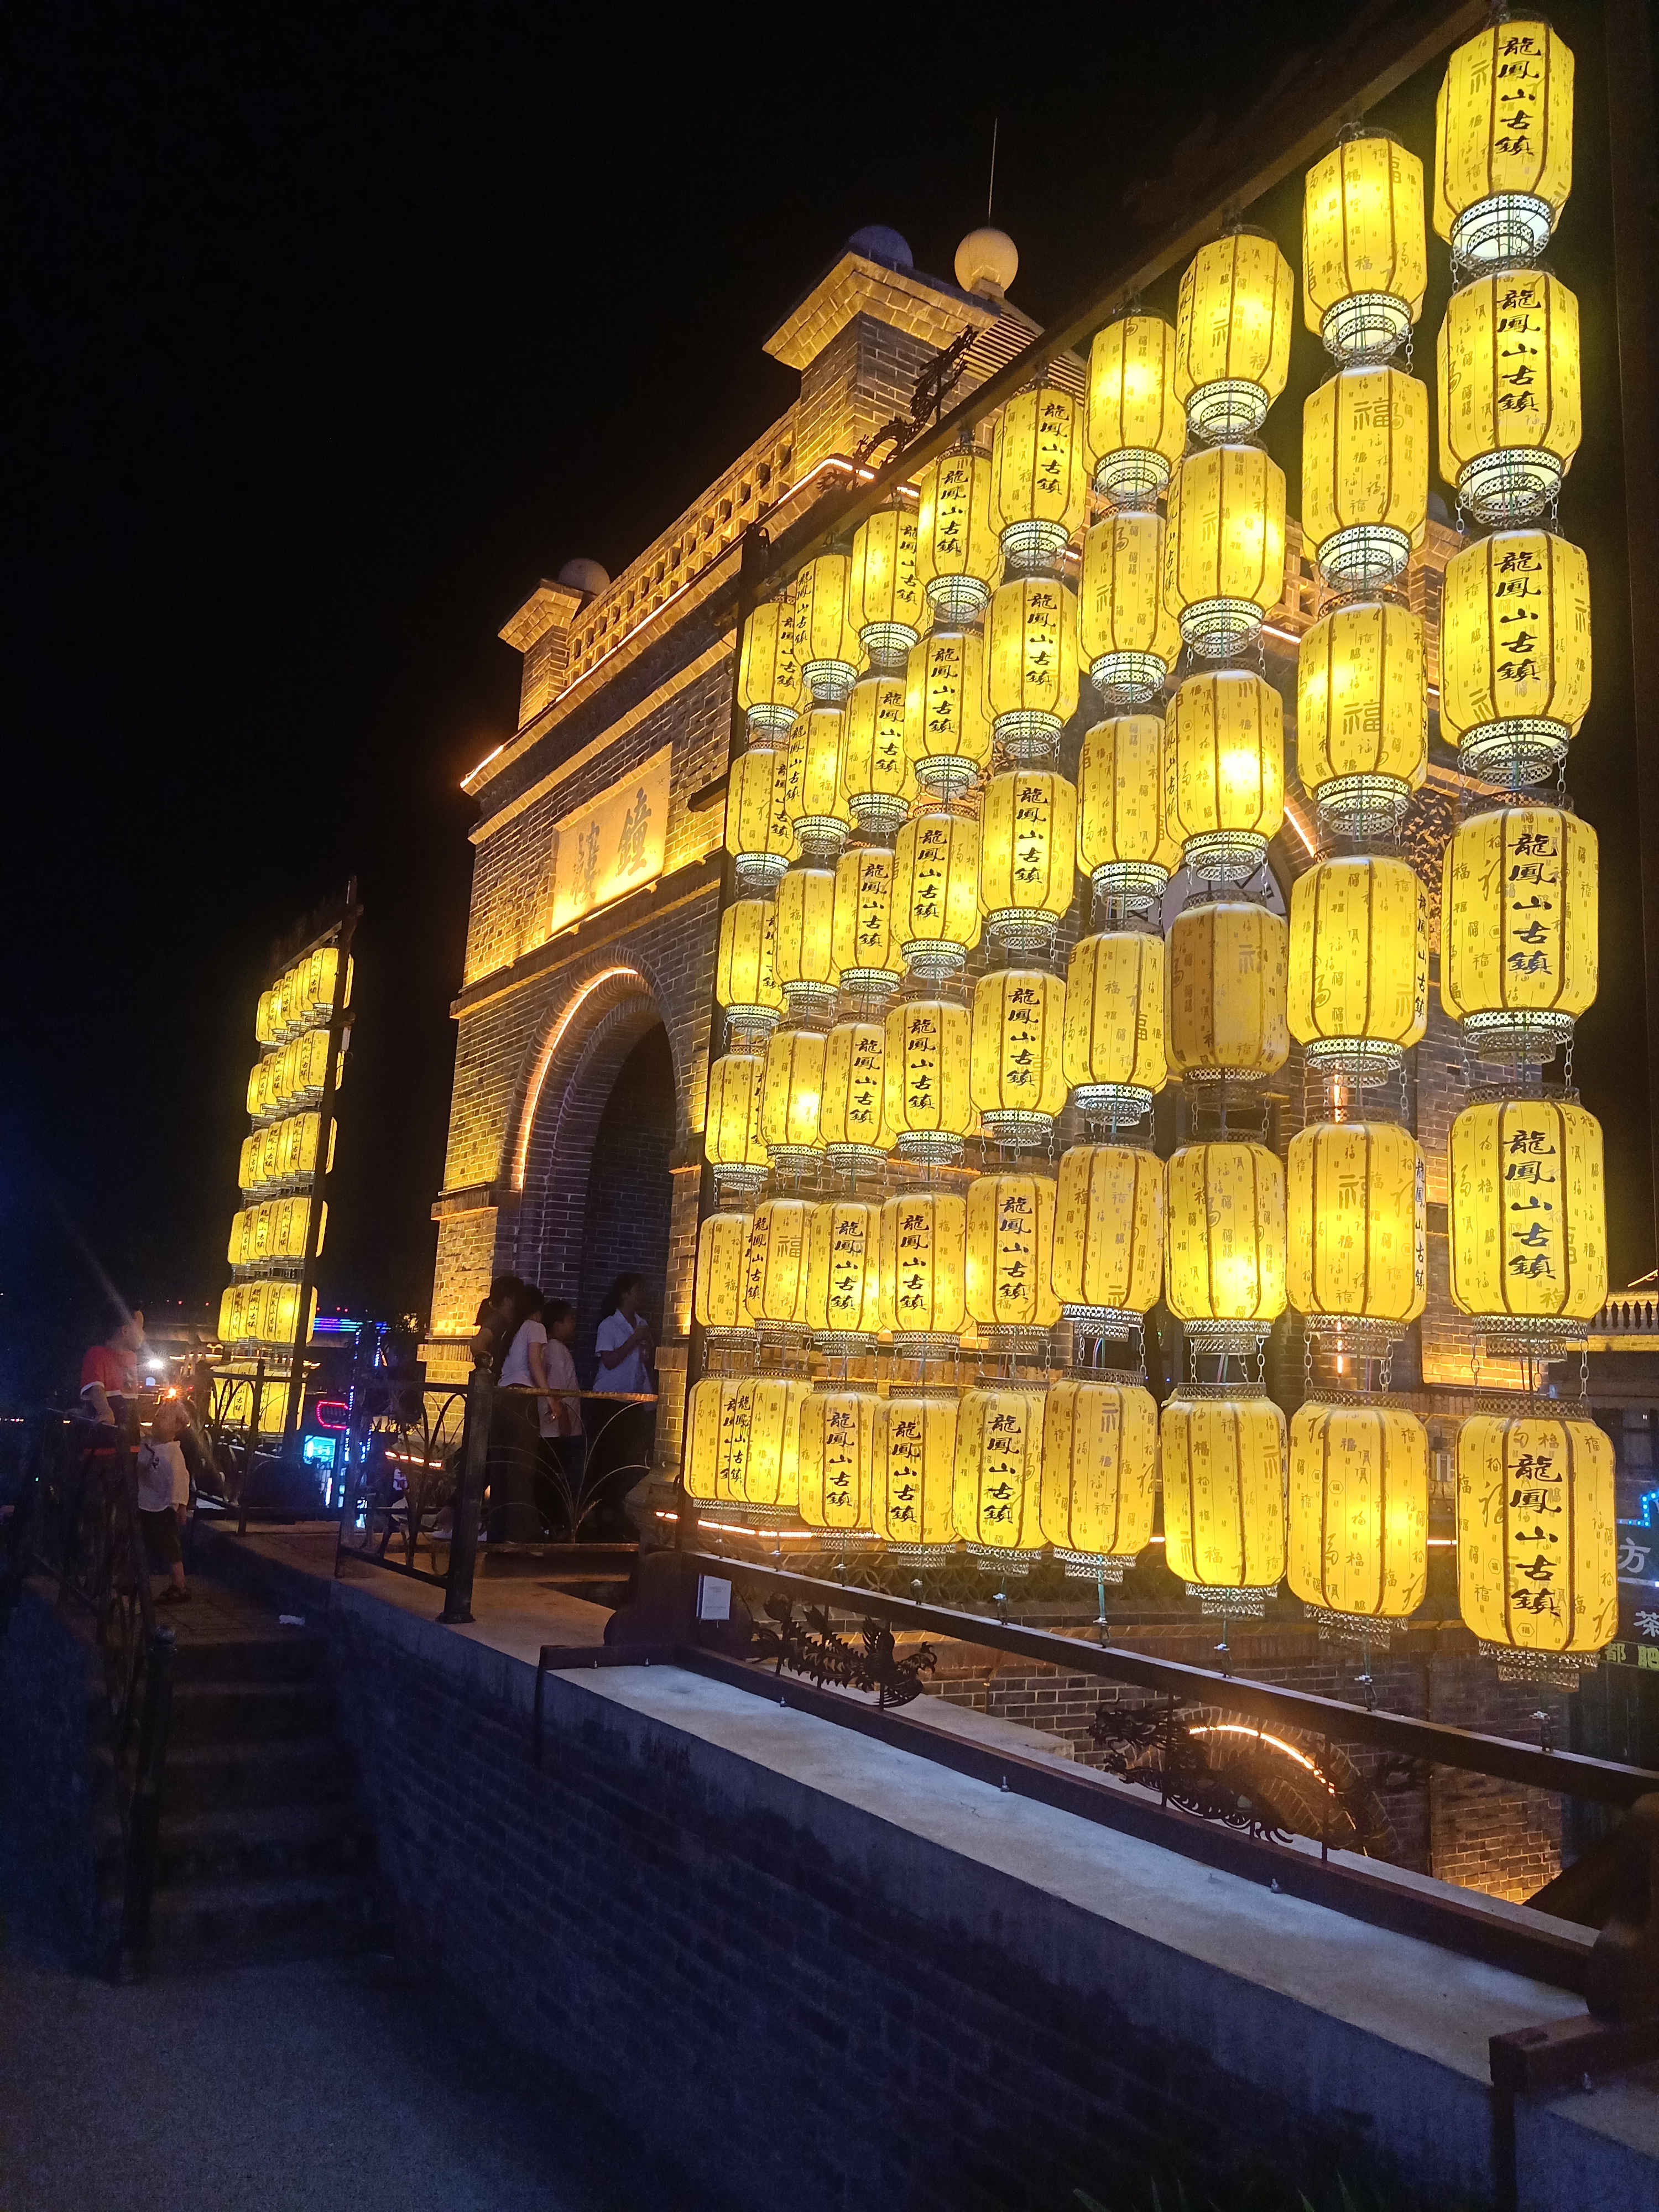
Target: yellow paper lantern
{"x": 1027, "y": 840}
{"x": 959, "y": 558}
{"x": 812, "y": 796}
{"x": 1527, "y": 1218}
{"x": 1537, "y": 1538}
{"x": 1099, "y": 1486}
{"x": 1361, "y": 715}
{"x": 1223, "y": 547}
{"x": 837, "y": 1452}
{"x": 1358, "y": 1232}
{"x": 746, "y": 982}
{"x": 1129, "y": 639}
{"x": 947, "y": 723}
{"x": 1224, "y": 1499}
{"x": 722, "y": 1262}
{"x": 851, "y": 1117}
{"x": 1519, "y": 944}
{"x": 1135, "y": 428}
{"x": 770, "y": 687}
{"x": 759, "y": 834}
{"x": 1510, "y": 409}
{"x": 1113, "y": 1038}
{"x": 1030, "y": 662}
{"x": 826, "y": 642}
{"x": 266, "y": 1016}
{"x": 1359, "y": 963}
{"x": 926, "y": 1061}
{"x": 843, "y": 1274}
{"x": 791, "y": 1095}
{"x": 1359, "y": 1512}
{"x": 863, "y": 946}
{"x": 877, "y": 775}
{"x": 1224, "y": 1270}
{"x": 1015, "y": 1075}
{"x": 1122, "y": 841}
{"x": 1011, "y": 1245}
{"x": 1364, "y": 258}
{"x": 1515, "y": 653}
{"x": 731, "y": 1138}
{"x": 913, "y": 1468}
{"x": 924, "y": 1260}
{"x": 999, "y": 1471}
{"x": 936, "y": 916}
{"x": 1224, "y": 773}
{"x": 774, "y": 1265}
{"x": 1039, "y": 475}
{"x": 1233, "y": 334}
{"x": 1108, "y": 1235}
{"x": 1503, "y": 142}
{"x": 1364, "y": 476}
{"x": 803, "y": 940}
{"x": 884, "y": 601}
{"x": 1227, "y": 993}
{"x": 743, "y": 1444}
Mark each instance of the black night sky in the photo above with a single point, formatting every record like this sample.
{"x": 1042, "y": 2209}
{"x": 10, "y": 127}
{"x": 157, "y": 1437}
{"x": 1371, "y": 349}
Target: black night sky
{"x": 333, "y": 329}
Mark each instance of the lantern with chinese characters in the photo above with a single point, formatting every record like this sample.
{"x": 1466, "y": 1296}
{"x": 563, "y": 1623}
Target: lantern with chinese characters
{"x": 1359, "y": 963}
{"x": 1011, "y": 1242}
{"x": 852, "y": 1116}
{"x": 1364, "y": 476}
{"x": 1134, "y": 426}
{"x": 912, "y": 1468}
{"x": 998, "y": 1471}
{"x": 1128, "y": 637}
{"x": 826, "y": 642}
{"x": 837, "y": 1449}
{"x": 1112, "y": 1041}
{"x": 1099, "y": 1475}
{"x": 1358, "y": 1232}
{"x": 947, "y": 724}
{"x": 774, "y": 1265}
{"x": 1224, "y": 1499}
{"x": 732, "y": 1136}
{"x": 1233, "y": 334}
{"x": 1122, "y": 841}
{"x": 770, "y": 687}
{"x": 1225, "y": 1265}
{"x": 759, "y": 834}
{"x": 924, "y": 1260}
{"x": 877, "y": 775}
{"x": 1015, "y": 1076}
{"x": 1226, "y": 1003}
{"x": 1518, "y": 939}
{"x": 1515, "y": 653}
{"x": 1108, "y": 1236}
{"x": 959, "y": 558}
{"x": 1223, "y": 547}
{"x": 1361, "y": 715}
{"x": 1527, "y": 1220}
{"x": 743, "y": 1444}
{"x": 1364, "y": 257}
{"x": 1224, "y": 773}
{"x": 744, "y": 981}
{"x": 1039, "y": 477}
{"x": 926, "y": 1061}
{"x": 1503, "y": 142}
{"x": 843, "y": 1275}
{"x": 791, "y": 1093}
{"x": 936, "y": 916}
{"x": 812, "y": 796}
{"x": 803, "y": 940}
{"x": 884, "y": 601}
{"x": 1031, "y": 663}
{"x": 722, "y": 1258}
{"x": 863, "y": 945}
{"x": 1510, "y": 416}
{"x": 1027, "y": 839}
{"x": 1360, "y": 1514}
{"x": 1537, "y": 1540}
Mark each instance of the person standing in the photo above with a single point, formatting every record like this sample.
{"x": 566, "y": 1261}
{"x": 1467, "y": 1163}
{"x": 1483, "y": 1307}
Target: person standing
{"x": 109, "y": 1373}
{"x": 623, "y": 1342}
{"x": 163, "y": 1497}
{"x": 520, "y": 1425}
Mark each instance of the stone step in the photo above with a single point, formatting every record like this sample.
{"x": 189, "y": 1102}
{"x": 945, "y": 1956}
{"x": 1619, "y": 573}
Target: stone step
{"x": 203, "y": 1778}
{"x": 257, "y": 1711}
{"x": 263, "y": 1843}
{"x": 289, "y": 1655}
{"x": 243, "y": 1922}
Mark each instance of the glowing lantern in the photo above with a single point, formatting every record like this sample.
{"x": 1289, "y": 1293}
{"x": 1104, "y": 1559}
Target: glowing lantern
{"x": 958, "y": 557}
{"x": 1224, "y": 1269}
{"x": 774, "y": 1265}
{"x": 884, "y": 600}
{"x": 1112, "y": 1041}
{"x": 1359, "y": 1512}
{"x": 1223, "y": 547}
{"x": 1027, "y": 840}
{"x": 1510, "y": 416}
{"x": 745, "y": 983}
{"x": 803, "y": 940}
{"x": 877, "y": 775}
{"x": 1224, "y": 773}
{"x": 843, "y": 1274}
{"x": 1233, "y": 334}
{"x": 1128, "y": 637}
{"x": 1537, "y": 1539}
{"x": 791, "y": 1093}
{"x": 936, "y": 916}
{"x": 1361, "y": 715}
{"x": 759, "y": 834}
{"x": 731, "y": 1138}
{"x": 851, "y": 1117}
{"x": 947, "y": 725}
{"x": 1358, "y": 1231}
{"x": 770, "y": 685}
{"x": 1039, "y": 477}
{"x": 1226, "y": 1003}
{"x": 1518, "y": 939}
{"x": 1503, "y": 142}
{"x": 1364, "y": 476}
{"x": 249, "y": 1175}
{"x": 1364, "y": 258}
{"x": 913, "y": 1455}
{"x": 929, "y": 1109}
{"x": 1359, "y": 963}
{"x": 1015, "y": 1076}
{"x": 1527, "y": 1218}
{"x": 1121, "y": 838}
{"x": 281, "y": 1313}
{"x": 1011, "y": 1242}
{"x": 1099, "y": 1482}
{"x": 924, "y": 1259}
{"x": 812, "y": 795}
{"x": 722, "y": 1259}
{"x": 1108, "y": 1235}
{"x": 743, "y": 1444}
{"x": 1030, "y": 661}
{"x": 999, "y": 1471}
{"x": 863, "y": 946}
{"x": 826, "y": 643}
{"x": 837, "y": 1449}
{"x": 1224, "y": 1499}
{"x": 1515, "y": 653}
{"x": 1135, "y": 429}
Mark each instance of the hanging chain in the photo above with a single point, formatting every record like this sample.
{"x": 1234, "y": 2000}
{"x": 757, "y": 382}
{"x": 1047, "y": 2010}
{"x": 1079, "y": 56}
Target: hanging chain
{"x": 1307, "y": 1361}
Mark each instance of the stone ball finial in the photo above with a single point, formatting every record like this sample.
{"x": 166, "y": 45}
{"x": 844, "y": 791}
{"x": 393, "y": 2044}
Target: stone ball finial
{"x": 882, "y": 243}
{"x": 987, "y": 262}
{"x": 583, "y": 575}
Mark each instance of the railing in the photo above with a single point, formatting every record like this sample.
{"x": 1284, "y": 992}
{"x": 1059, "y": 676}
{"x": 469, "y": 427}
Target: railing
{"x": 1627, "y": 1317}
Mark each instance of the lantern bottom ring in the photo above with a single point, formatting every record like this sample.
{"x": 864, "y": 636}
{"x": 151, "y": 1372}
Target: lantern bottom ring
{"x": 1367, "y": 558}
{"x": 1531, "y": 1336}
{"x": 1215, "y": 629}
{"x": 1556, "y": 1670}
{"x": 933, "y": 960}
{"x": 923, "y": 1345}
{"x": 887, "y": 643}
{"x": 1225, "y": 856}
{"x": 829, "y": 682}
{"x": 1366, "y": 326}
{"x": 1231, "y": 407}
{"x": 1528, "y": 749}
{"x": 758, "y": 1520}
{"x": 1513, "y": 1037}
{"x": 843, "y": 1539}
{"x": 810, "y": 1001}
{"x": 1226, "y": 1339}
{"x": 921, "y": 1555}
{"x": 1112, "y": 1102}
{"x": 766, "y": 718}
{"x": 1512, "y": 486}
{"x": 1348, "y": 1627}
{"x": 947, "y": 776}
{"x": 959, "y": 600}
{"x": 738, "y": 1183}
{"x": 794, "y": 1161}
{"x": 1030, "y": 734}
{"x": 1025, "y": 931}
{"x": 1114, "y": 1323}
{"x": 1363, "y": 806}
{"x": 990, "y": 1561}
{"x": 851, "y": 1159}
{"x": 725, "y": 1343}
{"x": 1018, "y": 1127}
{"x": 931, "y": 1147}
{"x": 1230, "y": 1601}
{"x": 1358, "y": 1336}
{"x": 747, "y": 1027}
{"x": 783, "y": 1345}
{"x": 846, "y": 1343}
{"x": 1508, "y": 228}
{"x": 879, "y": 813}
{"x": 1092, "y": 1566}
{"x": 1364, "y": 1058}
{"x": 761, "y": 871}
{"x": 859, "y": 985}
{"x": 1009, "y": 1340}
{"x": 1131, "y": 476}
{"x": 1138, "y": 886}
{"x": 1034, "y": 546}
{"x": 821, "y": 836}
{"x": 1127, "y": 679}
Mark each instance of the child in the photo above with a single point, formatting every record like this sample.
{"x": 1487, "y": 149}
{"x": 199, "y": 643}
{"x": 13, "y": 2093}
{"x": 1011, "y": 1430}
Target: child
{"x": 163, "y": 1495}
{"x": 560, "y": 1317}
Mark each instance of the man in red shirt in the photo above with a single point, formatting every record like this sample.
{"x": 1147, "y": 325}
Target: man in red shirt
{"x": 109, "y": 1373}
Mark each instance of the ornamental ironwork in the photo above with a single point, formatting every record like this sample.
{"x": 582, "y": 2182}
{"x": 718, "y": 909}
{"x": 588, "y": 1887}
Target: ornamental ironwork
{"x": 813, "y": 1647}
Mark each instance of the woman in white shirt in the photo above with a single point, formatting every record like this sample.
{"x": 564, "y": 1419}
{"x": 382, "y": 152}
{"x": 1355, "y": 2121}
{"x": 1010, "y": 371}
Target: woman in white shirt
{"x": 623, "y": 1341}
{"x": 515, "y": 1514}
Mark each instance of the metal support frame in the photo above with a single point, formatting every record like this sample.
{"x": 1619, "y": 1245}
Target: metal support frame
{"x": 469, "y": 1501}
